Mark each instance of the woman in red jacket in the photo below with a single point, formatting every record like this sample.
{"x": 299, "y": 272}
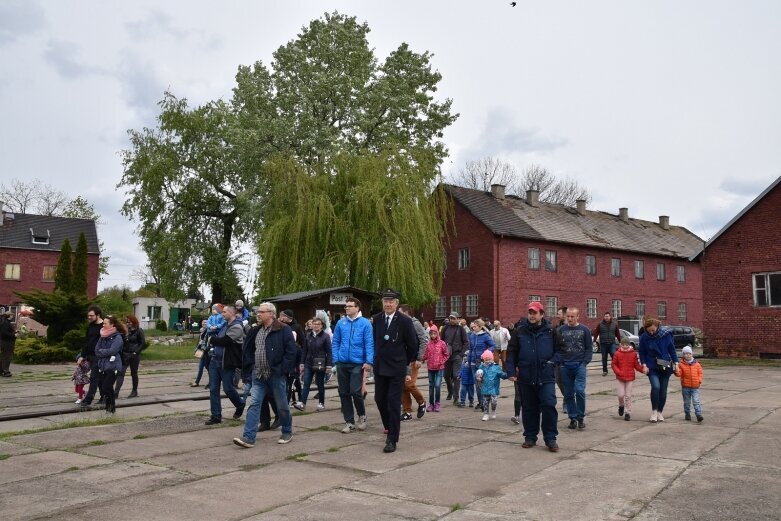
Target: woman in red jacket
{"x": 624, "y": 364}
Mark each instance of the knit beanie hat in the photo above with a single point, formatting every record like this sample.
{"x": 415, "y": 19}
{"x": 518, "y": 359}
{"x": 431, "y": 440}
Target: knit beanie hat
{"x": 687, "y": 349}
{"x": 487, "y": 355}
{"x": 289, "y": 314}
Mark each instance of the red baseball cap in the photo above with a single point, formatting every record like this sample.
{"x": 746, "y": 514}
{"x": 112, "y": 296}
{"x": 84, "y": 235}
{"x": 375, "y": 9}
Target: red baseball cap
{"x": 536, "y": 306}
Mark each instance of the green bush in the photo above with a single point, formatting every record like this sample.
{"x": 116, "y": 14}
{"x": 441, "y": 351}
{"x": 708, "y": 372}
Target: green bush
{"x": 37, "y": 351}
{"x": 161, "y": 325}
{"x": 74, "y": 339}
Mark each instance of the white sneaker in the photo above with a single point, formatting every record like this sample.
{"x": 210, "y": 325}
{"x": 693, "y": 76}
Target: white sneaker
{"x": 78, "y": 401}
{"x": 348, "y": 428}
{"x": 361, "y": 423}
{"x": 659, "y": 417}
{"x": 653, "y": 416}
{"x": 493, "y": 415}
{"x": 299, "y": 405}
{"x": 370, "y": 380}
{"x": 485, "y": 417}
{"x": 320, "y": 407}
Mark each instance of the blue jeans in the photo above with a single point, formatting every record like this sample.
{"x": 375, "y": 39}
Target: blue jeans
{"x": 319, "y": 377}
{"x": 434, "y": 384}
{"x": 659, "y": 381}
{"x": 478, "y": 386}
{"x": 260, "y": 387}
{"x": 574, "y": 382}
{"x": 203, "y": 363}
{"x": 350, "y": 377}
{"x": 539, "y": 401}
{"x": 470, "y": 390}
{"x": 691, "y": 395}
{"x": 216, "y": 375}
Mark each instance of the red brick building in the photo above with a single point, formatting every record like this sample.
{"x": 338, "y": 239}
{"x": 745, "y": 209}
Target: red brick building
{"x": 741, "y": 284}
{"x": 508, "y": 250}
{"x": 30, "y": 248}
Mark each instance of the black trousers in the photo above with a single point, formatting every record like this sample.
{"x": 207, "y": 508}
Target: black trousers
{"x": 387, "y": 396}
{"x": 133, "y": 365}
{"x": 107, "y": 389}
{"x": 94, "y": 382}
{"x": 452, "y": 372}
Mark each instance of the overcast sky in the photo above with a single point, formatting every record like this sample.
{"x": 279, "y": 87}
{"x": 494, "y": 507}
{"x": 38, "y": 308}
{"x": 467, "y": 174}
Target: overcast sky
{"x": 666, "y": 107}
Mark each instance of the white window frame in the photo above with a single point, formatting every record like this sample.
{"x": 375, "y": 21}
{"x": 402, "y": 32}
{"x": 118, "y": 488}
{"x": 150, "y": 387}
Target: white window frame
{"x": 455, "y": 304}
{"x": 535, "y": 298}
{"x": 463, "y": 259}
{"x": 640, "y": 308}
{"x": 661, "y": 309}
{"x": 441, "y": 309}
{"x": 591, "y": 264}
{"x": 661, "y": 271}
{"x": 551, "y": 306}
{"x": 591, "y": 308}
{"x": 471, "y": 305}
{"x": 533, "y": 262}
{"x": 52, "y": 269}
{"x": 154, "y": 312}
{"x": 617, "y": 305}
{"x": 551, "y": 261}
{"x": 771, "y": 299}
{"x": 682, "y": 312}
{"x": 615, "y": 267}
{"x": 680, "y": 274}
{"x": 639, "y": 269}
{"x": 13, "y": 271}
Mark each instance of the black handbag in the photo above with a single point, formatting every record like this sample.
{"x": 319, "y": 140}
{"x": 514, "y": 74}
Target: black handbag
{"x": 663, "y": 365}
{"x": 318, "y": 364}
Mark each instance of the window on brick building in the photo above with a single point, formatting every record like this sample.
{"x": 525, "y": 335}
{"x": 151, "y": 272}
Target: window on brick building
{"x": 682, "y": 312}
{"x": 767, "y": 289}
{"x": 534, "y": 258}
{"x": 639, "y": 269}
{"x": 13, "y": 271}
{"x": 660, "y": 275}
{"x": 441, "y": 309}
{"x": 551, "y": 306}
{"x": 591, "y": 265}
{"x": 591, "y": 308}
{"x": 48, "y": 273}
{"x": 616, "y": 308}
{"x": 471, "y": 305}
{"x": 550, "y": 260}
{"x": 455, "y": 305}
{"x": 680, "y": 273}
{"x": 661, "y": 309}
{"x": 534, "y": 298}
{"x": 615, "y": 267}
{"x": 463, "y": 258}
{"x": 640, "y": 308}
{"x": 154, "y": 312}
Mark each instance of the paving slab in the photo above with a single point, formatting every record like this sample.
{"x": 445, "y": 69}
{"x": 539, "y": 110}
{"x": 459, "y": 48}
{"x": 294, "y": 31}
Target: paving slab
{"x": 758, "y": 447}
{"x": 718, "y": 493}
{"x": 13, "y": 449}
{"x": 750, "y": 399}
{"x": 462, "y": 514}
{"x": 613, "y": 486}
{"x": 236, "y": 495}
{"x": 772, "y": 420}
{"x": 668, "y": 440}
{"x": 340, "y": 504}
{"x": 27, "y": 466}
{"x": 486, "y": 467}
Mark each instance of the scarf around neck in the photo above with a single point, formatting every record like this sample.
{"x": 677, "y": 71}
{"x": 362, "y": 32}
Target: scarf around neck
{"x": 107, "y": 332}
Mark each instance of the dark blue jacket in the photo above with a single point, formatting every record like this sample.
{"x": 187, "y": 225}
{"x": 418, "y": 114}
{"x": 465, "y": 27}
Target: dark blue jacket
{"x": 281, "y": 350}
{"x": 531, "y": 352}
{"x": 108, "y": 347}
{"x": 478, "y": 343}
{"x": 659, "y": 345}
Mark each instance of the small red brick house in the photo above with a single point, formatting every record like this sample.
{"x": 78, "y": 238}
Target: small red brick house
{"x": 508, "y": 250}
{"x": 741, "y": 282}
{"x": 30, "y": 248}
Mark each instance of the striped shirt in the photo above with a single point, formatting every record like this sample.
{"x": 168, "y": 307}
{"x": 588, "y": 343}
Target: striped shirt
{"x": 262, "y": 368}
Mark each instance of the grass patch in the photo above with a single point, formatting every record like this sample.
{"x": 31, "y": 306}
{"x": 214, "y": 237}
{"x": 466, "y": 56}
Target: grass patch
{"x": 140, "y": 437}
{"x": 175, "y": 352}
{"x": 4, "y": 456}
{"x": 298, "y": 457}
{"x": 96, "y": 442}
{"x": 604, "y": 393}
{"x": 738, "y": 362}
{"x": 333, "y": 449}
{"x": 71, "y": 469}
{"x": 457, "y": 506}
{"x": 65, "y": 425}
{"x": 322, "y": 428}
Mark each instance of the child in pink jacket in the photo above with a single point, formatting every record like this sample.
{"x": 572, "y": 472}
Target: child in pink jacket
{"x": 435, "y": 357}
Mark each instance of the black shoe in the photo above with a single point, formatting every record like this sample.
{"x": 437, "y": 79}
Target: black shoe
{"x": 7, "y": 374}
{"x": 687, "y": 417}
{"x": 406, "y": 417}
{"x": 101, "y": 401}
{"x": 264, "y": 426}
{"x": 552, "y": 446}
{"x": 239, "y": 412}
{"x": 620, "y": 410}
{"x": 213, "y": 421}
{"x": 421, "y": 410}
{"x": 274, "y": 424}
{"x": 699, "y": 418}
{"x": 527, "y": 444}
{"x": 133, "y": 394}
{"x": 572, "y": 424}
{"x": 389, "y": 447}
{"x": 448, "y": 397}
{"x": 478, "y": 407}
{"x": 604, "y": 373}
{"x": 581, "y": 424}
{"x": 626, "y": 417}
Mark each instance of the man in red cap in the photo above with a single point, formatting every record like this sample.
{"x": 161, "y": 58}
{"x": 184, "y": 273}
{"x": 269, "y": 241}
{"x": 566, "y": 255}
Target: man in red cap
{"x": 530, "y": 360}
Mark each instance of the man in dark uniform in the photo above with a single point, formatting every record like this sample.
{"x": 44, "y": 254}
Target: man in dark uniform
{"x": 395, "y": 348}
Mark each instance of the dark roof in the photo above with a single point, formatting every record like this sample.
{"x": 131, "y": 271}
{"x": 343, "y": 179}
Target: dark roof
{"x": 514, "y": 217}
{"x": 303, "y": 295}
{"x": 18, "y": 235}
{"x": 735, "y": 219}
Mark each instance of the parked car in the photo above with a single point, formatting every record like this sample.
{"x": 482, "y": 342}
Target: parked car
{"x": 682, "y": 335}
{"x": 634, "y": 340}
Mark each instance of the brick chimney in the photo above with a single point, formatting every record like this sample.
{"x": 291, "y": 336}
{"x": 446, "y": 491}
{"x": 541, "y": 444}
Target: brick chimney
{"x": 664, "y": 222}
{"x": 580, "y": 204}
{"x": 8, "y": 217}
{"x": 497, "y": 191}
{"x": 533, "y": 198}
{"x": 623, "y": 214}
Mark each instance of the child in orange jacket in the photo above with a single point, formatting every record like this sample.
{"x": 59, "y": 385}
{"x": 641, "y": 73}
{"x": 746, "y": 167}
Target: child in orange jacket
{"x": 690, "y": 373}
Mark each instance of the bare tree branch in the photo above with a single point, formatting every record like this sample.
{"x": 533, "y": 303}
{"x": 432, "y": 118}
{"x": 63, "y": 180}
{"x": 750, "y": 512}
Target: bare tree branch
{"x": 487, "y": 171}
{"x": 50, "y": 201}
{"x": 552, "y": 190}
{"x": 19, "y": 196}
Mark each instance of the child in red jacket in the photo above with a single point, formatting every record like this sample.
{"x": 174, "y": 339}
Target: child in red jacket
{"x": 624, "y": 364}
{"x": 435, "y": 357}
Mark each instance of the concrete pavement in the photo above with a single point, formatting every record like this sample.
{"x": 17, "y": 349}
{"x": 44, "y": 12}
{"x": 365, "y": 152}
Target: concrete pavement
{"x": 160, "y": 462}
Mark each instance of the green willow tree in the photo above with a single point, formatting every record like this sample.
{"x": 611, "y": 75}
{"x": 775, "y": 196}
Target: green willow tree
{"x": 200, "y": 183}
{"x": 63, "y": 274}
{"x": 369, "y": 221}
